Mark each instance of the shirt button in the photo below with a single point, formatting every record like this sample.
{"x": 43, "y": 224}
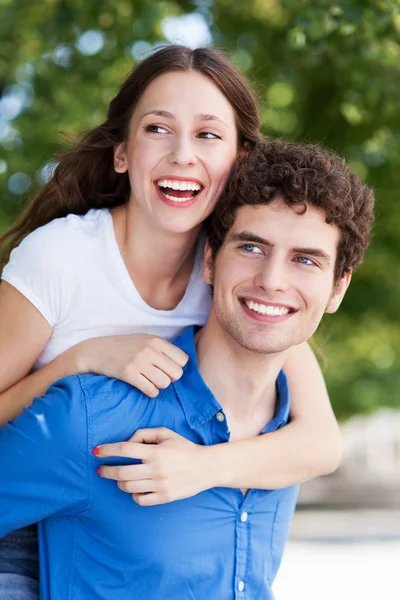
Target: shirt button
{"x": 243, "y": 517}
{"x": 241, "y": 586}
{"x": 220, "y": 417}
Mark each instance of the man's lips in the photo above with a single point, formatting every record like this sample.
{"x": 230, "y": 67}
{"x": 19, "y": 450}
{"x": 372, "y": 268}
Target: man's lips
{"x": 269, "y": 312}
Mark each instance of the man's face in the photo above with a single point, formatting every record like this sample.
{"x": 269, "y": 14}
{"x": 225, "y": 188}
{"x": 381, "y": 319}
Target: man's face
{"x": 274, "y": 276}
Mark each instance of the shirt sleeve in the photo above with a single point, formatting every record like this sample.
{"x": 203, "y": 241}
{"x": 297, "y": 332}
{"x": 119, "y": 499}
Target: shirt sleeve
{"x": 39, "y": 269}
{"x": 44, "y": 459}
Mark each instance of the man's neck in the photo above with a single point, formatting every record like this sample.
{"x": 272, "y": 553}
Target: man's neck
{"x": 243, "y": 382}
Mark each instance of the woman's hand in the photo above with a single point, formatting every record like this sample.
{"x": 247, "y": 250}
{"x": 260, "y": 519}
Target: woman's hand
{"x": 172, "y": 467}
{"x": 147, "y": 362}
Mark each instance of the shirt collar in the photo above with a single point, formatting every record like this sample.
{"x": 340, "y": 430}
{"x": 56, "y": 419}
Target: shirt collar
{"x": 197, "y": 400}
{"x": 282, "y": 406}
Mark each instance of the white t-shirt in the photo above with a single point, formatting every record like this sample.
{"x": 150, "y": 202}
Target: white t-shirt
{"x": 73, "y": 273}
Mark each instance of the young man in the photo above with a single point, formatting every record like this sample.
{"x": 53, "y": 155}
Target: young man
{"x": 291, "y": 227}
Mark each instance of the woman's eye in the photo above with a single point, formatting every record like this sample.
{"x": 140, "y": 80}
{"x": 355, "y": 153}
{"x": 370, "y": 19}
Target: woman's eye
{"x": 208, "y": 135}
{"x": 251, "y": 249}
{"x": 306, "y": 261}
{"x": 155, "y": 129}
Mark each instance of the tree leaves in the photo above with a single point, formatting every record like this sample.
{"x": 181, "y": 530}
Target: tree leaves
{"x": 325, "y": 72}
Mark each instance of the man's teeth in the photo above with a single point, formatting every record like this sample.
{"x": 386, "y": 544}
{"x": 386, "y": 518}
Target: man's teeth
{"x": 182, "y": 186}
{"x": 268, "y": 310}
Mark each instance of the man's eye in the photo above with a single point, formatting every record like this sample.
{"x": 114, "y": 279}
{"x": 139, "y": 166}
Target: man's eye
{"x": 209, "y": 135}
{"x": 251, "y": 248}
{"x": 155, "y": 129}
{"x": 304, "y": 260}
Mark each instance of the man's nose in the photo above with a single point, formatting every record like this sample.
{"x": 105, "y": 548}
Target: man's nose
{"x": 182, "y": 151}
{"x": 272, "y": 275}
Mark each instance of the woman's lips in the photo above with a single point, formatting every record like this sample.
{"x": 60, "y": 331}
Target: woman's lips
{"x": 177, "y": 198}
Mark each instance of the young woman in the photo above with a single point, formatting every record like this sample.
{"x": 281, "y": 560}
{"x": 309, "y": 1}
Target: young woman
{"x": 114, "y": 254}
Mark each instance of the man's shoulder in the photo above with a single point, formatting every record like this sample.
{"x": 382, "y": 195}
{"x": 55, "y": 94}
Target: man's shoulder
{"x": 80, "y": 390}
{"x": 103, "y": 403}
{"x": 103, "y": 388}
{"x": 102, "y": 392}
{"x": 115, "y": 409}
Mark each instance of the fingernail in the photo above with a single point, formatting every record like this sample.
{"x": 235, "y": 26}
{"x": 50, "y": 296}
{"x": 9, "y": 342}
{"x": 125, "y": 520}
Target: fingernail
{"x": 98, "y": 471}
{"x": 96, "y": 451}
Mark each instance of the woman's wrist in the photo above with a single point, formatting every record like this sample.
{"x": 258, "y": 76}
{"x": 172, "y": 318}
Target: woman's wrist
{"x": 229, "y": 463}
{"x": 79, "y": 358}
{"x": 214, "y": 466}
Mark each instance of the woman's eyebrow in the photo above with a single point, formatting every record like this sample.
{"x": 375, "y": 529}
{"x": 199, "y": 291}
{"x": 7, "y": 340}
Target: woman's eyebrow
{"x": 203, "y": 117}
{"x": 169, "y": 115}
{"x": 159, "y": 113}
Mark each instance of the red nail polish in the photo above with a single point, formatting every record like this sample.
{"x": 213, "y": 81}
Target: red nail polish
{"x": 96, "y": 451}
{"x": 98, "y": 471}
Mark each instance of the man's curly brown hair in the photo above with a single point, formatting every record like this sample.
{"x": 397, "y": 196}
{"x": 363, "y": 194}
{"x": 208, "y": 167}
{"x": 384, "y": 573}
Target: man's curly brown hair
{"x": 301, "y": 175}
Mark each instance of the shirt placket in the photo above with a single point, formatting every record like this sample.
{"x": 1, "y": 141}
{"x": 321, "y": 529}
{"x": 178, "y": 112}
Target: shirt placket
{"x": 243, "y": 525}
{"x": 243, "y": 517}
{"x": 242, "y": 550}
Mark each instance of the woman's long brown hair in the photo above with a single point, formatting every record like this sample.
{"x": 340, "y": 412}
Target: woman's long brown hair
{"x": 85, "y": 178}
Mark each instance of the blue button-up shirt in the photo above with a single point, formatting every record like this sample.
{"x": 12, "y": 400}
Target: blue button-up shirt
{"x": 95, "y": 542}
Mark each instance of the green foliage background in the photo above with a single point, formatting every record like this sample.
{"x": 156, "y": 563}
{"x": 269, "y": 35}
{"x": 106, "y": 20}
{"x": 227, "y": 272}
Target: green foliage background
{"x": 325, "y": 71}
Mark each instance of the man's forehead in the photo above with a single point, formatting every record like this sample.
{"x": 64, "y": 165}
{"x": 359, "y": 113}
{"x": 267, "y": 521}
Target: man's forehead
{"x": 279, "y": 223}
{"x": 265, "y": 216}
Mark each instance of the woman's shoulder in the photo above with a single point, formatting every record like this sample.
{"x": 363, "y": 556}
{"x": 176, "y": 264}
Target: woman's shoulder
{"x": 57, "y": 244}
{"x": 50, "y": 262}
{"x": 63, "y": 234}
{"x": 70, "y": 226}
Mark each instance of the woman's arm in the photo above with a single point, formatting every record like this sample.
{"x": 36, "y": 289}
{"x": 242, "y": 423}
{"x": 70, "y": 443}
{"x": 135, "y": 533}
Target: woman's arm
{"x": 145, "y": 361}
{"x": 174, "y": 468}
{"x": 309, "y": 446}
{"x": 24, "y": 332}
{"x": 23, "y": 335}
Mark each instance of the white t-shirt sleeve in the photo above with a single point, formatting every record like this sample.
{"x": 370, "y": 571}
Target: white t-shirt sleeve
{"x": 39, "y": 270}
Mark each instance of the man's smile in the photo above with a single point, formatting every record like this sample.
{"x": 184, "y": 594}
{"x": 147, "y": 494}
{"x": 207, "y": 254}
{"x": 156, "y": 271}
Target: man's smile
{"x": 266, "y": 311}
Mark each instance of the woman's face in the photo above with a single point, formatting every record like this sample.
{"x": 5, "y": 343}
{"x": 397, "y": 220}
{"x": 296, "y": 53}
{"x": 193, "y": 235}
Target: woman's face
{"x": 182, "y": 143}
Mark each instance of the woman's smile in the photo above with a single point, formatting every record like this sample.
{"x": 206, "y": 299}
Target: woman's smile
{"x": 183, "y": 142}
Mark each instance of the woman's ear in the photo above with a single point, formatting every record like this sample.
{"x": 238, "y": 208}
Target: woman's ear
{"x": 120, "y": 159}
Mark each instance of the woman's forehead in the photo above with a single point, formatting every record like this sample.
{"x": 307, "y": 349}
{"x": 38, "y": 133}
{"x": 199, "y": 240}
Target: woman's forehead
{"x": 186, "y": 93}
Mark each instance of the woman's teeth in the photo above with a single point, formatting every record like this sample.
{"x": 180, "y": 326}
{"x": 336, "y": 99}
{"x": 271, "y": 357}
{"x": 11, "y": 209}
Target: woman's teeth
{"x": 179, "y": 185}
{"x": 268, "y": 310}
{"x": 175, "y": 199}
{"x": 178, "y": 191}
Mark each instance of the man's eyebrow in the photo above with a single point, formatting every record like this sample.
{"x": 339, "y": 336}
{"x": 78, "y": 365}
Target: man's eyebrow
{"x": 248, "y": 236}
{"x": 169, "y": 115}
{"x": 317, "y": 252}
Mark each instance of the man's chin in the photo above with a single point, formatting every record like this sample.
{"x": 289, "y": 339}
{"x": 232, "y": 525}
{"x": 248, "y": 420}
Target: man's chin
{"x": 264, "y": 344}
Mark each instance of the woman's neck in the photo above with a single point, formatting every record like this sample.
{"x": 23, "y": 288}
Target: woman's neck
{"x": 160, "y": 263}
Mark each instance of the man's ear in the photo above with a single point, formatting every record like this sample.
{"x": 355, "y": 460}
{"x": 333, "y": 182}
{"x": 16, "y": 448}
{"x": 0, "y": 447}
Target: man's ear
{"x": 208, "y": 268}
{"x": 244, "y": 150}
{"x": 339, "y": 292}
{"x": 120, "y": 159}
